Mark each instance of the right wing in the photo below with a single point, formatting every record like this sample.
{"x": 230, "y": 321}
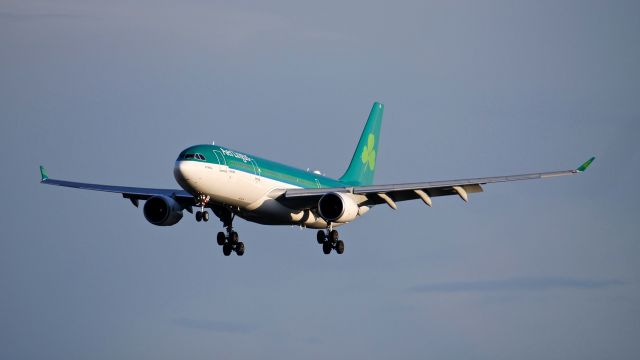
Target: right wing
{"x": 392, "y": 193}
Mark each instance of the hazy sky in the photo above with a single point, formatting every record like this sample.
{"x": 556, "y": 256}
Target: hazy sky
{"x": 112, "y": 91}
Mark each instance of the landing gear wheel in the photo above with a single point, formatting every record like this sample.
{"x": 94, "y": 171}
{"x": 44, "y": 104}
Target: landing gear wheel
{"x": 333, "y": 236}
{"x": 240, "y": 249}
{"x": 205, "y": 216}
{"x": 233, "y": 237}
{"x": 321, "y": 237}
{"x": 340, "y": 246}
{"x": 221, "y": 238}
{"x": 198, "y": 216}
{"x": 326, "y": 247}
{"x": 226, "y": 249}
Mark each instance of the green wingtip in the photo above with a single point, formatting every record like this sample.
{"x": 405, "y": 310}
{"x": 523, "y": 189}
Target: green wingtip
{"x": 43, "y": 173}
{"x": 586, "y": 164}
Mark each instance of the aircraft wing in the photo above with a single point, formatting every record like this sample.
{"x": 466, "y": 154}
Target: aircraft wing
{"x": 132, "y": 193}
{"x": 392, "y": 193}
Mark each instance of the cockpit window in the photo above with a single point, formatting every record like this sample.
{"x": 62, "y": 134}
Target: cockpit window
{"x": 185, "y": 156}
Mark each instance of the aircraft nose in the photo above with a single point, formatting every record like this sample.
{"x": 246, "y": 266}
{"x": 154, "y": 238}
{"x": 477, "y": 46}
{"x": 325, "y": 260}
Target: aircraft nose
{"x": 183, "y": 172}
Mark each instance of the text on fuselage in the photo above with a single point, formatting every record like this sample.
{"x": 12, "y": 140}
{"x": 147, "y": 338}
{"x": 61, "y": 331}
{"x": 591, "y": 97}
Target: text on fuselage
{"x": 242, "y": 157}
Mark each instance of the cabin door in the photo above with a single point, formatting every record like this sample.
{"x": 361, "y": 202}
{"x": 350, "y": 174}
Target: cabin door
{"x": 223, "y": 168}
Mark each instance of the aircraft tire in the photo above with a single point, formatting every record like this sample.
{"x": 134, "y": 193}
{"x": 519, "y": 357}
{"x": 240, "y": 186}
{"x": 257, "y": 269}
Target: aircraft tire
{"x": 233, "y": 237}
{"x": 340, "y": 246}
{"x": 198, "y": 216}
{"x": 221, "y": 238}
{"x": 205, "y": 216}
{"x": 240, "y": 249}
{"x": 226, "y": 249}
{"x": 326, "y": 248}
{"x": 321, "y": 237}
{"x": 333, "y": 236}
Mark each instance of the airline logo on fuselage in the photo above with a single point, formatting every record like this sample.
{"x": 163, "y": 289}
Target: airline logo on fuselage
{"x": 234, "y": 154}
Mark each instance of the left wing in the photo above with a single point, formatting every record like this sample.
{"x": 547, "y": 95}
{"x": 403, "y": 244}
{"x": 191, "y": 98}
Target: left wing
{"x": 132, "y": 193}
{"x": 390, "y": 194}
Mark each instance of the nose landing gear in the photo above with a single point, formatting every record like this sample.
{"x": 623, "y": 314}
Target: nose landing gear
{"x": 330, "y": 241}
{"x": 202, "y": 214}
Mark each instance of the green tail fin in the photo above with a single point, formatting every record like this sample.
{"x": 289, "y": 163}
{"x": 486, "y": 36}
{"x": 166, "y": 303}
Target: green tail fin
{"x": 363, "y": 164}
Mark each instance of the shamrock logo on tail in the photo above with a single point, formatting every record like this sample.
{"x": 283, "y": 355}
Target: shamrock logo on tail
{"x": 369, "y": 153}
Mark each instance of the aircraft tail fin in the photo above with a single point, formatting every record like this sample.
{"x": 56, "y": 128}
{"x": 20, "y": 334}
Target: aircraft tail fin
{"x": 363, "y": 164}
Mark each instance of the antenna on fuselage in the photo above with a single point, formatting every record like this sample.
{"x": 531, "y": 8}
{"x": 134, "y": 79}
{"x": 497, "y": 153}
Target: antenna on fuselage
{"x": 213, "y": 142}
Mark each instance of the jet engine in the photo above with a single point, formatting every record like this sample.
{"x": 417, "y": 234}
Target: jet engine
{"x": 162, "y": 211}
{"x": 337, "y": 207}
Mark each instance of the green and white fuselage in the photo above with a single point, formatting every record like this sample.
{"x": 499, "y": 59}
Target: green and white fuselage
{"x": 248, "y": 183}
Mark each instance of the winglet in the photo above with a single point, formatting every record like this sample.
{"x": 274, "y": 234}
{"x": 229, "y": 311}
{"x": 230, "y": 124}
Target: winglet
{"x": 586, "y": 164}
{"x": 43, "y": 173}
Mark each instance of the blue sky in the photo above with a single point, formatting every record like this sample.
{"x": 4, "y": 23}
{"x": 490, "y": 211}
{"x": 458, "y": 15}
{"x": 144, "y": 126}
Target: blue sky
{"x": 111, "y": 91}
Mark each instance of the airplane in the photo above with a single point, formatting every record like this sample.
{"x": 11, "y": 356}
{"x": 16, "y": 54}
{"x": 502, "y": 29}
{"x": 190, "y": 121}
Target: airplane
{"x": 233, "y": 183}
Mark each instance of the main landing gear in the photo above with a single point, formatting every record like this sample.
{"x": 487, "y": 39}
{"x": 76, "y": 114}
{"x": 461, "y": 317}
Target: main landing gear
{"x": 230, "y": 241}
{"x": 330, "y": 241}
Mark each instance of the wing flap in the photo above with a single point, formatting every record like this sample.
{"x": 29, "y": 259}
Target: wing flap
{"x": 414, "y": 194}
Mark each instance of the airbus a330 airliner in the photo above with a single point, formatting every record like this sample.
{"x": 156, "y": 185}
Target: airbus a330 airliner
{"x": 233, "y": 183}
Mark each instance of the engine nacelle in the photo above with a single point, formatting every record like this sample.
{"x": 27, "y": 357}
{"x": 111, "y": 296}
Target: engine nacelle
{"x": 337, "y": 207}
{"x": 162, "y": 211}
